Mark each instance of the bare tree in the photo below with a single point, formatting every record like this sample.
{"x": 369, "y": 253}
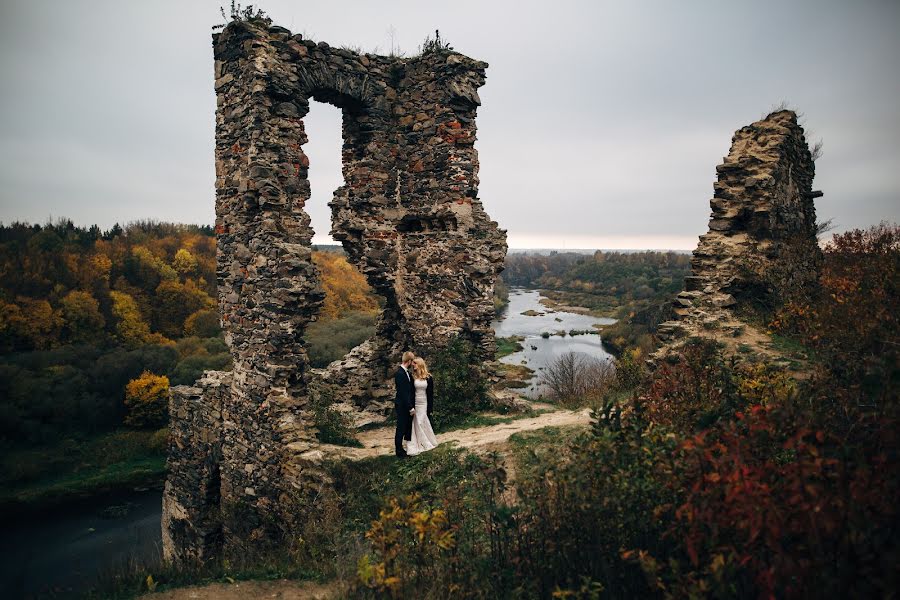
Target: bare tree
{"x": 575, "y": 379}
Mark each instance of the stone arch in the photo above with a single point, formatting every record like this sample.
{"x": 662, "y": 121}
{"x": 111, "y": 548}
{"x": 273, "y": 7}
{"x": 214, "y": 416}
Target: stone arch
{"x": 408, "y": 216}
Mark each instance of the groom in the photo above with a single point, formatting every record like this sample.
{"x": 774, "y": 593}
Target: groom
{"x": 404, "y": 402}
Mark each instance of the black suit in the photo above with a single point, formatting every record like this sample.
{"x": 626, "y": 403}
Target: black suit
{"x": 404, "y": 401}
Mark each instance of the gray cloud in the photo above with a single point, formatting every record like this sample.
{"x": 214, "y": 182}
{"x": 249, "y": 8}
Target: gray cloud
{"x": 601, "y": 126}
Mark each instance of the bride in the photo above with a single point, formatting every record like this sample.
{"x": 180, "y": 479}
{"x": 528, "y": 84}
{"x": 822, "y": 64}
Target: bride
{"x": 422, "y": 437}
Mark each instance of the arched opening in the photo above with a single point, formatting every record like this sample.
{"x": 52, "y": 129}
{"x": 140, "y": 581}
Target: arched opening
{"x": 351, "y": 307}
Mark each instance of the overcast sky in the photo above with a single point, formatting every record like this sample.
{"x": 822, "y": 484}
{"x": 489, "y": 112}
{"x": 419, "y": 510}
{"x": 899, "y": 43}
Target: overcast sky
{"x": 601, "y": 123}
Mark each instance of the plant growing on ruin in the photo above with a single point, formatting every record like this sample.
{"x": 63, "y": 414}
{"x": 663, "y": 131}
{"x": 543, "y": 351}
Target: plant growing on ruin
{"x": 249, "y": 14}
{"x": 435, "y": 45}
{"x": 460, "y": 386}
{"x": 332, "y": 426}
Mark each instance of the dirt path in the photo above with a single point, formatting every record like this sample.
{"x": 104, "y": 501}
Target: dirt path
{"x": 380, "y": 441}
{"x": 246, "y": 590}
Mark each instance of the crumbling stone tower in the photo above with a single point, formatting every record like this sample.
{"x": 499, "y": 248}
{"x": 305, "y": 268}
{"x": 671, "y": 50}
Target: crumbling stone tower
{"x": 408, "y": 216}
{"x": 761, "y": 247}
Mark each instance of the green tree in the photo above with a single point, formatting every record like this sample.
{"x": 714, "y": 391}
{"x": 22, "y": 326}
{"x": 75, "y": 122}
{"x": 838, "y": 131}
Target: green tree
{"x": 459, "y": 385}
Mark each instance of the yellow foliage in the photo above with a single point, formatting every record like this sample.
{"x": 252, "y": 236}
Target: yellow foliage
{"x": 31, "y": 320}
{"x": 175, "y": 302}
{"x": 762, "y": 385}
{"x": 131, "y": 328}
{"x": 147, "y": 400}
{"x": 184, "y": 262}
{"x": 407, "y": 540}
{"x": 150, "y": 262}
{"x": 82, "y": 316}
{"x": 346, "y": 290}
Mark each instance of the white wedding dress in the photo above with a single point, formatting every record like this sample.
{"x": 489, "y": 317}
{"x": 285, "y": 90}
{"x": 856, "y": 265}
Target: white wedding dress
{"x": 422, "y": 438}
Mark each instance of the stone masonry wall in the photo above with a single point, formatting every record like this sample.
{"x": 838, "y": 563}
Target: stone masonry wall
{"x": 761, "y": 247}
{"x": 408, "y": 216}
{"x": 191, "y": 525}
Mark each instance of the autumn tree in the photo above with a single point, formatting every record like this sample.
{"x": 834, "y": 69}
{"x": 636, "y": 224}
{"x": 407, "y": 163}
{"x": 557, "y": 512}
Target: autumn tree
{"x": 184, "y": 263}
{"x": 346, "y": 290}
{"x": 175, "y": 302}
{"x": 131, "y": 328}
{"x": 147, "y": 401}
{"x": 146, "y": 269}
{"x": 203, "y": 323}
{"x": 34, "y": 323}
{"x": 82, "y": 317}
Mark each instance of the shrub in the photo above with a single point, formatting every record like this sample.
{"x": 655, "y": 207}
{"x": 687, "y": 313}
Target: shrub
{"x": 460, "y": 387}
{"x": 147, "y": 401}
{"x": 410, "y": 542}
{"x": 853, "y": 324}
{"x": 328, "y": 341}
{"x": 332, "y": 426}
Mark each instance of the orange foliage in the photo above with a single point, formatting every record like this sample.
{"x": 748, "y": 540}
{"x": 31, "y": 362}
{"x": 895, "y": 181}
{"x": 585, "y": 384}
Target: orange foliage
{"x": 346, "y": 290}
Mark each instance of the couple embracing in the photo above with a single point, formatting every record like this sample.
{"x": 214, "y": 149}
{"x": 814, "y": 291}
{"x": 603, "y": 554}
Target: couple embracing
{"x": 413, "y": 404}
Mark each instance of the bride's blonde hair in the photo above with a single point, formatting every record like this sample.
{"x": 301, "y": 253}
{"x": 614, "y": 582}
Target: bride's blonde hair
{"x": 420, "y": 370}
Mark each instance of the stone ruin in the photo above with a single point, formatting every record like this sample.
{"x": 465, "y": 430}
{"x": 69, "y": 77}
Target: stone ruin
{"x": 761, "y": 249}
{"x": 244, "y": 460}
{"x": 243, "y": 452}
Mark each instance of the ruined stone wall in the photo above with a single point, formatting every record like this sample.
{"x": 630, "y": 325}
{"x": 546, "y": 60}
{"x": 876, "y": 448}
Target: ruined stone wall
{"x": 408, "y": 216}
{"x": 761, "y": 247}
{"x": 191, "y": 523}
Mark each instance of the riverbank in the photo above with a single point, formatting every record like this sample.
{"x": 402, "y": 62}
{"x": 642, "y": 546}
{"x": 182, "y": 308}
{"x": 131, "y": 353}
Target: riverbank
{"x": 75, "y": 471}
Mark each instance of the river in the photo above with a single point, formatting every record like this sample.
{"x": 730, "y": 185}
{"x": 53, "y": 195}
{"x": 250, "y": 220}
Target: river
{"x": 526, "y": 317}
{"x": 65, "y": 551}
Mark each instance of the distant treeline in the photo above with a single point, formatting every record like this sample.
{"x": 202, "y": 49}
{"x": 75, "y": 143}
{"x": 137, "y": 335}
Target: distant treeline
{"x": 612, "y": 276}
{"x": 635, "y": 287}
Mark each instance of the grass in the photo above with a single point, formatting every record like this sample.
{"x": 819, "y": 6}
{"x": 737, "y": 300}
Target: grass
{"x": 509, "y": 345}
{"x": 37, "y": 478}
{"x": 536, "y": 451}
{"x": 486, "y": 420}
{"x": 136, "y": 579}
{"x": 364, "y": 486}
{"x": 791, "y": 347}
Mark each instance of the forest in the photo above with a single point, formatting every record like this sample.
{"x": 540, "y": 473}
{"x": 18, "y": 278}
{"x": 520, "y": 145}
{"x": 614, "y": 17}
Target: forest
{"x": 95, "y": 326}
